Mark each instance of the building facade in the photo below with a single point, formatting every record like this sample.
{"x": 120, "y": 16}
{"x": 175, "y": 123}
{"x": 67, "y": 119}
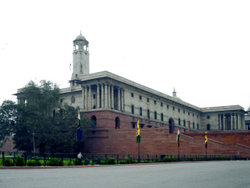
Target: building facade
{"x": 115, "y": 102}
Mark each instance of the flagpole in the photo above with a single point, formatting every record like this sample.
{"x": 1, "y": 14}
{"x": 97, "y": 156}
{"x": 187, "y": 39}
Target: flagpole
{"x": 139, "y": 159}
{"x": 138, "y": 139}
{"x": 206, "y": 143}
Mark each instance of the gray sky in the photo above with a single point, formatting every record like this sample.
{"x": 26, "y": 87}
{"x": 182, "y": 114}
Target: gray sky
{"x": 202, "y": 48}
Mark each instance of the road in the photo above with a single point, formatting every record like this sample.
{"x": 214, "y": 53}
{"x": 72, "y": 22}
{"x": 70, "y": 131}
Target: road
{"x": 197, "y": 174}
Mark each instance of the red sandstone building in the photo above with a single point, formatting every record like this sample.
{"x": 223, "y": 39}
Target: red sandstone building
{"x": 115, "y": 104}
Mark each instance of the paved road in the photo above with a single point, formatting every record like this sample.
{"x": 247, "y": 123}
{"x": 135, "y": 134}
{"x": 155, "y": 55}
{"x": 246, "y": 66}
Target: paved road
{"x": 199, "y": 174}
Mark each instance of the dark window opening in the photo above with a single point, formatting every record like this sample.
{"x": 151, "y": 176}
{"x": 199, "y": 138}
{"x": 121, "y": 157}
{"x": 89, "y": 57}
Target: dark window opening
{"x": 93, "y": 118}
{"x": 148, "y": 114}
{"x": 208, "y": 127}
{"x": 132, "y": 109}
{"x": 133, "y": 125}
{"x": 155, "y": 115}
{"x": 117, "y": 123}
{"x": 140, "y": 111}
{"x": 162, "y": 117}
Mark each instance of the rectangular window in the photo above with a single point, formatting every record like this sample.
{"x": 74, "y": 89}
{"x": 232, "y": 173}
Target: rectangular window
{"x": 162, "y": 117}
{"x": 148, "y": 114}
{"x": 132, "y": 109}
{"x": 155, "y": 115}
{"x": 140, "y": 111}
{"x": 147, "y": 99}
{"x": 140, "y": 97}
{"x": 132, "y": 94}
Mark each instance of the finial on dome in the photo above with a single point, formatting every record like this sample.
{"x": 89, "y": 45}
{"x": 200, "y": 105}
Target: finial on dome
{"x": 174, "y": 93}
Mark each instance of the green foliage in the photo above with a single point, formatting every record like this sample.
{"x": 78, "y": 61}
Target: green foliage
{"x": 19, "y": 161}
{"x": 128, "y": 161}
{"x": 8, "y": 114}
{"x": 41, "y": 116}
{"x": 169, "y": 159}
{"x": 35, "y": 162}
{"x": 78, "y": 162}
{"x": 8, "y": 162}
{"x": 108, "y": 161}
{"x": 54, "y": 162}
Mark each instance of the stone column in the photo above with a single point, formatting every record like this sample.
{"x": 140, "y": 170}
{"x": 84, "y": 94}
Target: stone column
{"x": 90, "y": 98}
{"x": 237, "y": 122}
{"x": 97, "y": 96}
{"x": 231, "y": 127}
{"x": 122, "y": 99}
{"x": 224, "y": 121}
{"x": 233, "y": 121}
{"x": 106, "y": 95}
{"x": 118, "y": 93}
{"x": 218, "y": 121}
{"x": 112, "y": 97}
{"x": 103, "y": 96}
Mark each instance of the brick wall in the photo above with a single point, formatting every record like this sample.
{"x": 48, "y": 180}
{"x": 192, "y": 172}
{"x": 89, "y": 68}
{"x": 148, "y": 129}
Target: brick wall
{"x": 157, "y": 139}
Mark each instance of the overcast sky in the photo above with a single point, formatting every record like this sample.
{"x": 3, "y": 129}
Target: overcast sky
{"x": 202, "y": 48}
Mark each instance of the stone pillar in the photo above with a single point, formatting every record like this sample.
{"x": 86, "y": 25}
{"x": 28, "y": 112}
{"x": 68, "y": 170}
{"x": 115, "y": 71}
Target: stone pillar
{"x": 241, "y": 122}
{"x": 218, "y": 121}
{"x": 123, "y": 100}
{"x": 106, "y": 95}
{"x": 119, "y": 104}
{"x": 90, "y": 98}
{"x": 237, "y": 122}
{"x": 103, "y": 96}
{"x": 224, "y": 121}
{"x": 97, "y": 96}
{"x": 231, "y": 127}
{"x": 112, "y": 97}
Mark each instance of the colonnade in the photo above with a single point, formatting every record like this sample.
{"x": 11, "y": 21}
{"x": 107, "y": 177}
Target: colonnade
{"x": 104, "y": 96}
{"x": 230, "y": 121}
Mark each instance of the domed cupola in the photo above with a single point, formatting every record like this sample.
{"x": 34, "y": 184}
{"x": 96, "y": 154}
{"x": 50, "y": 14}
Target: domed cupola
{"x": 80, "y": 58}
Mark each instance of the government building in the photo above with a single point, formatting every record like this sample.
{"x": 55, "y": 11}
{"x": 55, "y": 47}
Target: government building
{"x": 116, "y": 102}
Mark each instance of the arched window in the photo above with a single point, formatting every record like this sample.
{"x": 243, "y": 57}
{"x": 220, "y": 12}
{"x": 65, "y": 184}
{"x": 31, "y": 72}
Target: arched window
{"x": 117, "y": 123}
{"x": 93, "y": 118}
{"x": 171, "y": 125}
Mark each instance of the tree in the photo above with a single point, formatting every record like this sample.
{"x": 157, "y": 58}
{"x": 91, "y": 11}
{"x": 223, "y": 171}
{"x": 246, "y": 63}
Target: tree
{"x": 8, "y": 112}
{"x": 43, "y": 121}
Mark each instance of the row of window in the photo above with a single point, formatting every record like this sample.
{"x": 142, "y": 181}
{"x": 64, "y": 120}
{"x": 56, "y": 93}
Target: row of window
{"x": 148, "y": 113}
{"x": 161, "y": 117}
{"x": 173, "y": 108}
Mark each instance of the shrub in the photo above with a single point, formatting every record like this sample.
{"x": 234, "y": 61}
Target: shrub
{"x": 108, "y": 161}
{"x": 19, "y": 161}
{"x": 78, "y": 162}
{"x": 53, "y": 162}
{"x": 128, "y": 161}
{"x": 70, "y": 163}
{"x": 169, "y": 159}
{"x": 191, "y": 158}
{"x": 35, "y": 162}
{"x": 8, "y": 162}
